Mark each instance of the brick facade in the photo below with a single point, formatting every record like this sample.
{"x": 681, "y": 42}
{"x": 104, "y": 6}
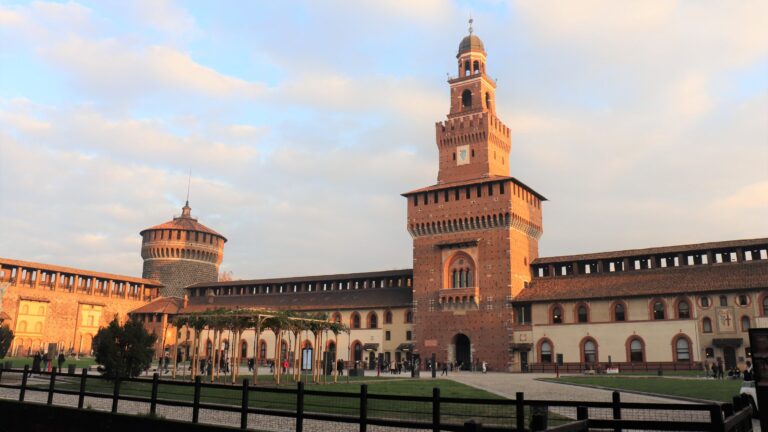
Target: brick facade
{"x": 51, "y": 304}
{"x": 475, "y": 232}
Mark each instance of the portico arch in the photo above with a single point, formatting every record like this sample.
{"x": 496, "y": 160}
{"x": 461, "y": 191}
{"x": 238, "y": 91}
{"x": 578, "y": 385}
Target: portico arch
{"x": 462, "y": 349}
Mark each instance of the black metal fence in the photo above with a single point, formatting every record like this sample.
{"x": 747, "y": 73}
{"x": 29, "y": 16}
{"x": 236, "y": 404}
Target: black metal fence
{"x": 283, "y": 409}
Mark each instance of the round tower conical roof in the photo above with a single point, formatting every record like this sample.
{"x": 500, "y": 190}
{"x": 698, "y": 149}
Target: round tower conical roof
{"x": 185, "y": 222}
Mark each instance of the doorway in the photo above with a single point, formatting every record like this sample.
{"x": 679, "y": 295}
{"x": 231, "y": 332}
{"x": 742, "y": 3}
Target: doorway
{"x": 463, "y": 350}
{"x": 729, "y": 354}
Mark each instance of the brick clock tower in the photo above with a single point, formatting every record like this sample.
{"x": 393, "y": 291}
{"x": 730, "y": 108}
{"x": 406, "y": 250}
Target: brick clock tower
{"x": 474, "y": 233}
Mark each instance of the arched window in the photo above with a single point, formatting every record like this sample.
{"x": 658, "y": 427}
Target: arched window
{"x": 619, "y": 313}
{"x": 589, "y": 350}
{"x": 582, "y": 314}
{"x": 262, "y": 349}
{"x": 357, "y": 351}
{"x": 745, "y": 324}
{"x": 355, "y": 320}
{"x": 636, "y": 351}
{"x": 658, "y": 310}
{"x": 41, "y": 310}
{"x": 459, "y": 272}
{"x": 22, "y": 326}
{"x": 373, "y": 320}
{"x": 706, "y": 325}
{"x": 545, "y": 352}
{"x": 709, "y": 353}
{"x": 388, "y": 317}
{"x": 742, "y": 300}
{"x": 466, "y": 99}
{"x": 723, "y": 300}
{"x": 557, "y": 315}
{"x": 409, "y": 317}
{"x": 466, "y": 68}
{"x": 705, "y": 302}
{"x": 683, "y": 310}
{"x": 337, "y": 317}
{"x": 476, "y": 67}
{"x": 243, "y": 349}
{"x": 682, "y": 349}
{"x": 38, "y": 327}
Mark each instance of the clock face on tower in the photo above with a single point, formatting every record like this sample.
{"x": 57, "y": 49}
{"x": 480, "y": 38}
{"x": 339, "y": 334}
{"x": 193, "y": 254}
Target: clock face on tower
{"x": 462, "y": 155}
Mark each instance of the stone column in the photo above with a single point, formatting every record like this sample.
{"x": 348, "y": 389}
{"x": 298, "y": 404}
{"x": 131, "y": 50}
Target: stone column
{"x": 57, "y": 282}
{"x": 38, "y": 273}
{"x": 93, "y": 286}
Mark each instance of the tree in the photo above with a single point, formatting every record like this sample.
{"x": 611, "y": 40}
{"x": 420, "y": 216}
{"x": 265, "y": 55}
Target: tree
{"x": 124, "y": 351}
{"x": 6, "y": 337}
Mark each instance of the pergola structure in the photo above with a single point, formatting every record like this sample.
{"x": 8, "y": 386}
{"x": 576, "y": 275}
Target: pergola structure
{"x": 237, "y": 321}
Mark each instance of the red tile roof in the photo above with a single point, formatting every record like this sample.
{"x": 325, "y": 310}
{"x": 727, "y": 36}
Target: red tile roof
{"x": 308, "y": 301}
{"x": 489, "y": 179}
{"x": 408, "y": 273}
{"x": 184, "y": 224}
{"x": 638, "y": 283}
{"x": 9, "y": 263}
{"x": 654, "y": 251}
{"x": 169, "y": 305}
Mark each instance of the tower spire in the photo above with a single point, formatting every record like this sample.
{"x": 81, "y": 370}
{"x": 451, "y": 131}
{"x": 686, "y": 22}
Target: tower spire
{"x": 186, "y": 211}
{"x": 189, "y": 183}
{"x": 470, "y": 23}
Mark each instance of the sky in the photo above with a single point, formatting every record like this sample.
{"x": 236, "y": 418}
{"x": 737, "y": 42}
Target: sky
{"x": 644, "y": 124}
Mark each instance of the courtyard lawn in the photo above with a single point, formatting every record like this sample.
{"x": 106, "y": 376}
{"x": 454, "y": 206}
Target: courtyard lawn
{"x": 20, "y": 362}
{"x": 706, "y": 389}
{"x": 336, "y": 403}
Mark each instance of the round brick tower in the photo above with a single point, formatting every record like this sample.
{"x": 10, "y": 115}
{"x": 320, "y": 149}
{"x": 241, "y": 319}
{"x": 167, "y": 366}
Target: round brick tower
{"x": 181, "y": 252}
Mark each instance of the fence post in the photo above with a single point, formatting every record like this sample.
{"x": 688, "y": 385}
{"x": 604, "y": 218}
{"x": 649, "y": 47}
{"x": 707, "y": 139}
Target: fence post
{"x": 116, "y": 395}
{"x": 471, "y": 426}
{"x": 582, "y": 413}
{"x": 51, "y": 387}
{"x": 520, "y": 411}
{"x": 716, "y": 416}
{"x": 153, "y": 396}
{"x": 23, "y": 383}
{"x": 616, "y": 409}
{"x": 363, "y": 407}
{"x": 728, "y": 410}
{"x": 81, "y": 393}
{"x": 436, "y": 409}
{"x": 196, "y": 401}
{"x": 244, "y": 406}
{"x": 300, "y": 406}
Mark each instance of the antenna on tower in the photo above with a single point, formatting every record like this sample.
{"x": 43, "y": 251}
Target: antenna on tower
{"x": 189, "y": 183}
{"x": 470, "y": 23}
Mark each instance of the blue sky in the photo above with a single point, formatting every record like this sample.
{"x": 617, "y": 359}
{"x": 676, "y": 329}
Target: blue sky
{"x": 644, "y": 123}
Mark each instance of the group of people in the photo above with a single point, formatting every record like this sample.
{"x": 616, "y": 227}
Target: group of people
{"x": 717, "y": 371}
{"x": 42, "y": 362}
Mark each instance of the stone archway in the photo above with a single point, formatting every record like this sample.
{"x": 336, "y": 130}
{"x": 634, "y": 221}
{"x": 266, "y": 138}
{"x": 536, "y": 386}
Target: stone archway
{"x": 462, "y": 349}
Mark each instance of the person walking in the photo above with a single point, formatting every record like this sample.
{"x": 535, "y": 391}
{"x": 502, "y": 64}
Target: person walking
{"x": 445, "y": 369}
{"x": 485, "y": 366}
{"x": 60, "y": 360}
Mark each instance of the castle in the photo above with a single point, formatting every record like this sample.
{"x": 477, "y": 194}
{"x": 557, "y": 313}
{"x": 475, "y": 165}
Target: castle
{"x": 478, "y": 290}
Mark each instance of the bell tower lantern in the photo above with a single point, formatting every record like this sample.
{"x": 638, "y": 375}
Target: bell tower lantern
{"x": 472, "y": 142}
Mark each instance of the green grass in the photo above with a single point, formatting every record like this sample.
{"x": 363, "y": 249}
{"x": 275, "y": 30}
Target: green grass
{"x": 20, "y": 362}
{"x": 712, "y": 390}
{"x": 394, "y": 409}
